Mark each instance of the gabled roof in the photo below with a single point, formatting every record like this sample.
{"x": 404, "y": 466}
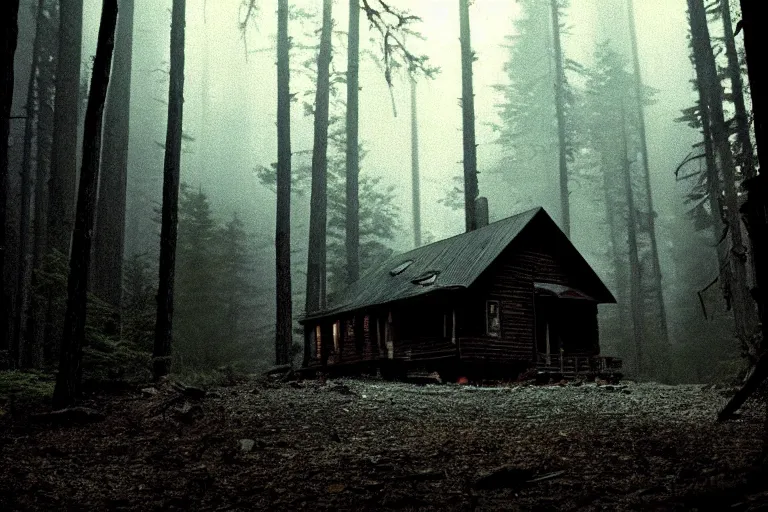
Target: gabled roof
{"x": 457, "y": 262}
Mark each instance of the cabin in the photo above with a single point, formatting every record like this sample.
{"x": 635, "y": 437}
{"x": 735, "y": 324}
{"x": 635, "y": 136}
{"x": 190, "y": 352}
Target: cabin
{"x": 510, "y": 297}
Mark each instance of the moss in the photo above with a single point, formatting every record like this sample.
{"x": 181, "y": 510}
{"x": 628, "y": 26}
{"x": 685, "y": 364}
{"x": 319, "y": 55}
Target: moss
{"x": 26, "y": 386}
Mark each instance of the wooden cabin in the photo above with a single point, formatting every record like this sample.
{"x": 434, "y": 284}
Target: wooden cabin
{"x": 508, "y": 297}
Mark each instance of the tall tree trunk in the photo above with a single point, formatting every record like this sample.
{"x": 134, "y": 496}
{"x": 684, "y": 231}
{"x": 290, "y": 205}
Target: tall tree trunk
{"x": 284, "y": 320}
{"x": 754, "y": 41}
{"x": 468, "y": 119}
{"x": 171, "y": 174}
{"x": 318, "y": 212}
{"x": 353, "y": 155}
{"x": 741, "y": 118}
{"x": 639, "y": 95}
{"x": 38, "y": 326}
{"x": 62, "y": 183}
{"x": 565, "y": 208}
{"x": 109, "y": 239}
{"x": 415, "y": 180}
{"x": 715, "y": 194}
{"x": 21, "y": 346}
{"x": 68, "y": 379}
{"x": 706, "y": 70}
{"x": 635, "y": 279}
{"x": 757, "y": 187}
{"x": 10, "y": 16}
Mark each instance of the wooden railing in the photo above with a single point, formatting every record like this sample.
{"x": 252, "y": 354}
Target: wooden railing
{"x": 575, "y": 365}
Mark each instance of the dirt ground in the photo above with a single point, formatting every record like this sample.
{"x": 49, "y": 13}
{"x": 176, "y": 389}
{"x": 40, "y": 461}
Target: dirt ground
{"x": 374, "y": 445}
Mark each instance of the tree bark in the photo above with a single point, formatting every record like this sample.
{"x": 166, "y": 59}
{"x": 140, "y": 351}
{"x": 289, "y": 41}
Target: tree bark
{"x": 21, "y": 346}
{"x": 657, "y": 284}
{"x": 565, "y": 208}
{"x": 754, "y": 42}
{"x": 38, "y": 326}
{"x": 10, "y": 16}
{"x": 68, "y": 379}
{"x": 161, "y": 353}
{"x": 284, "y": 320}
{"x": 415, "y": 180}
{"x": 63, "y": 179}
{"x": 318, "y": 213}
{"x": 706, "y": 70}
{"x": 109, "y": 238}
{"x": 635, "y": 279}
{"x": 741, "y": 118}
{"x": 468, "y": 119}
{"x": 353, "y": 155}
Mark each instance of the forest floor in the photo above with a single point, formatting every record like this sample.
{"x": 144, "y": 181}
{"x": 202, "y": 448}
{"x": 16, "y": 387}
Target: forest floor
{"x": 373, "y": 445}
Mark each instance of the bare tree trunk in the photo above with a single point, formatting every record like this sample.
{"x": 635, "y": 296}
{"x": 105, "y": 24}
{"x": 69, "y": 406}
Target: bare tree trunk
{"x": 415, "y": 180}
{"x": 318, "y": 213}
{"x": 468, "y": 119}
{"x": 741, "y": 118}
{"x": 62, "y": 183}
{"x": 706, "y": 70}
{"x": 565, "y": 208}
{"x": 353, "y": 155}
{"x": 715, "y": 202}
{"x": 38, "y": 325}
{"x": 284, "y": 320}
{"x": 757, "y": 187}
{"x": 639, "y": 95}
{"x": 754, "y": 40}
{"x": 21, "y": 340}
{"x": 171, "y": 173}
{"x": 10, "y": 16}
{"x": 68, "y": 379}
{"x": 635, "y": 279}
{"x": 109, "y": 239}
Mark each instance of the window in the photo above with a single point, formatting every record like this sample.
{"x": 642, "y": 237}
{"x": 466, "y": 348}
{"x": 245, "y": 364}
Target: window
{"x": 492, "y": 318}
{"x": 427, "y": 278}
{"x": 336, "y": 334}
{"x": 318, "y": 342}
{"x": 400, "y": 268}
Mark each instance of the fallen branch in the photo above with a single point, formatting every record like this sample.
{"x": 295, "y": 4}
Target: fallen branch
{"x": 759, "y": 374}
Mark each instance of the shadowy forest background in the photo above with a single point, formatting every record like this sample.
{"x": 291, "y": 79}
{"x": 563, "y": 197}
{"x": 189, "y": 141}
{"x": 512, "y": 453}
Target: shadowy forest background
{"x": 225, "y": 195}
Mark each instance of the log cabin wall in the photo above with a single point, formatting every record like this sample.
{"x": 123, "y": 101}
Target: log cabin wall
{"x": 510, "y": 281}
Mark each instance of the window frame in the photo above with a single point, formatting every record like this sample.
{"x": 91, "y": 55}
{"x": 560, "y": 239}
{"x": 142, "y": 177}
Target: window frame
{"x": 488, "y": 332}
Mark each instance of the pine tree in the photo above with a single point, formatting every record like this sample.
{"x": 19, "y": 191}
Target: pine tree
{"x": 10, "y": 13}
{"x": 68, "y": 378}
{"x": 109, "y": 237}
{"x": 171, "y": 182}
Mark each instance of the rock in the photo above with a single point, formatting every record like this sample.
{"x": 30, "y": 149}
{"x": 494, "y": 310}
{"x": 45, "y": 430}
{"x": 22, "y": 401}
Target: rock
{"x": 194, "y": 393}
{"x": 504, "y": 477}
{"x": 148, "y": 392}
{"x": 189, "y": 413}
{"x": 78, "y": 415}
{"x": 341, "y": 388}
{"x": 336, "y": 488}
{"x": 246, "y": 445}
{"x": 278, "y": 370}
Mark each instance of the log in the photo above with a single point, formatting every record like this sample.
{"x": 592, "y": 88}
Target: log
{"x": 758, "y": 375}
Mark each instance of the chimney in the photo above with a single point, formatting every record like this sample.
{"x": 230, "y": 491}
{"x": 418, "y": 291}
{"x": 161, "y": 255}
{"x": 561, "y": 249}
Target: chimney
{"x": 481, "y": 212}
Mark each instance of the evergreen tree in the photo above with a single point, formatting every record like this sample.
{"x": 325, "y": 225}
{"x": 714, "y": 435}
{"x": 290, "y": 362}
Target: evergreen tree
{"x": 528, "y": 129}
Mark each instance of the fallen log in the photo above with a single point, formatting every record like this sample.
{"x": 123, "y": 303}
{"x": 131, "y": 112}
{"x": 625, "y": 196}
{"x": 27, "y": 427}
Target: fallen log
{"x": 758, "y": 375}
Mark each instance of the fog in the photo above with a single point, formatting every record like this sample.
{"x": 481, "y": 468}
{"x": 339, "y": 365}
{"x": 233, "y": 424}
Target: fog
{"x": 230, "y": 104}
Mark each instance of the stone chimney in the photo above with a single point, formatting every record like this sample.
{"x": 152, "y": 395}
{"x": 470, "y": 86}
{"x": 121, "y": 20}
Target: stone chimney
{"x": 481, "y": 212}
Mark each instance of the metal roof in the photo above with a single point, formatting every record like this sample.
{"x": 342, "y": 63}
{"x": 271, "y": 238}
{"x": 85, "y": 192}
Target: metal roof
{"x": 456, "y": 262}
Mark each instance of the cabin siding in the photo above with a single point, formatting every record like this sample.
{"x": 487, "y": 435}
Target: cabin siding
{"x": 449, "y": 321}
{"x": 510, "y": 280}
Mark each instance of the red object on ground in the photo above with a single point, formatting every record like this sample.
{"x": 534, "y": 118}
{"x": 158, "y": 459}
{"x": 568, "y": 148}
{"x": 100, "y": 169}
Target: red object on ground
{"x": 462, "y": 380}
